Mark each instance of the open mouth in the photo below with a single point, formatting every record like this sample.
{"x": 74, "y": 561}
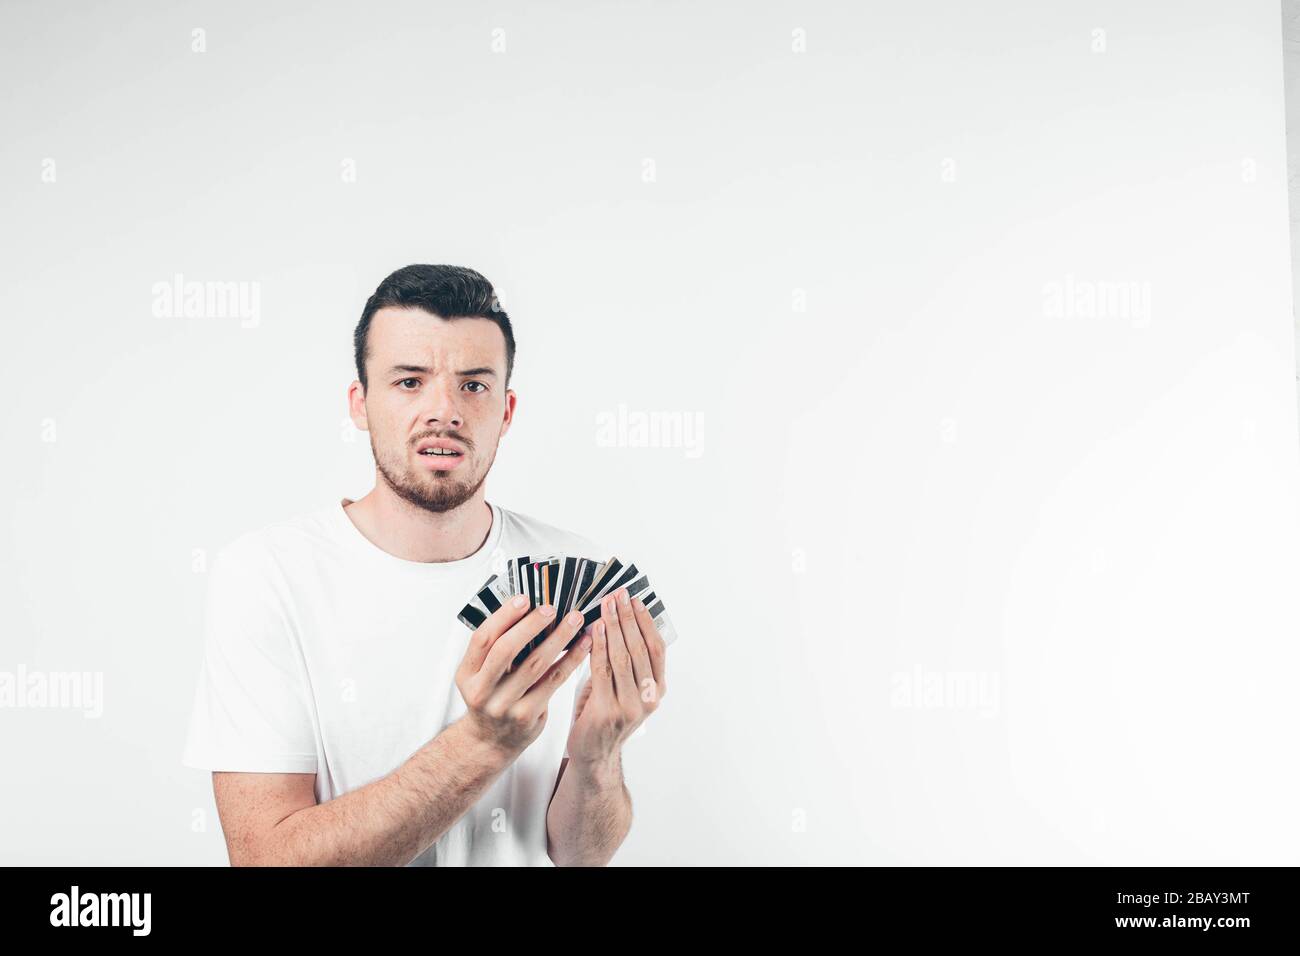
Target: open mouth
{"x": 440, "y": 454}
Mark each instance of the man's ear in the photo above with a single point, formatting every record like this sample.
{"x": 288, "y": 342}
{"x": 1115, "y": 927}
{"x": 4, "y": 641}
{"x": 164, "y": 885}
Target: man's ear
{"x": 510, "y": 413}
{"x": 357, "y": 406}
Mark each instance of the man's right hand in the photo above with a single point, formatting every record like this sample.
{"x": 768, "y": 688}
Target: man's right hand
{"x": 507, "y": 708}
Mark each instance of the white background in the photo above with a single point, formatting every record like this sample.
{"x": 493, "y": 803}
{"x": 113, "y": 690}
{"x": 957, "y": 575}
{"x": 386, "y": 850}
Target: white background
{"x": 909, "y": 470}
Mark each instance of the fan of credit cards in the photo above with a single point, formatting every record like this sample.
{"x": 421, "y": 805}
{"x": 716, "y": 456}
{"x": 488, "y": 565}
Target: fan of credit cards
{"x": 567, "y": 583}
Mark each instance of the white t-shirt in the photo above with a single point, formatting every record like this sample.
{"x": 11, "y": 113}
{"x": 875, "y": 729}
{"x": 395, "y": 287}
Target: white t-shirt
{"x": 325, "y": 654}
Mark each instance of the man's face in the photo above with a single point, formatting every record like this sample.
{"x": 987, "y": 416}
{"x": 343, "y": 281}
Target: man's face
{"x": 433, "y": 382}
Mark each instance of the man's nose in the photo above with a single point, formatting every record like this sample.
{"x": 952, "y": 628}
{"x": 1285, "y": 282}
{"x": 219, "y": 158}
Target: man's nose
{"x": 443, "y": 408}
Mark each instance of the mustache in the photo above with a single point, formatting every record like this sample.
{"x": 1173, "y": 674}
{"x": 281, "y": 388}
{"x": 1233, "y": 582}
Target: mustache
{"x": 451, "y": 436}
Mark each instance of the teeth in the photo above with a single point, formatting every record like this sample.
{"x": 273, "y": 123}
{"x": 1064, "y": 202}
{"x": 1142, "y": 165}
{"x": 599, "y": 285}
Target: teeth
{"x": 440, "y": 452}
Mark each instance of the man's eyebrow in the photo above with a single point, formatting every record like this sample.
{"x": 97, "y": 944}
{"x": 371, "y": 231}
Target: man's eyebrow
{"x": 426, "y": 370}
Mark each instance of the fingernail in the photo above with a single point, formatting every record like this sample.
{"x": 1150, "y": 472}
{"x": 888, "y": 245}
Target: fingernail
{"x": 637, "y": 602}
{"x": 520, "y": 600}
{"x": 547, "y": 610}
{"x": 575, "y": 618}
{"x": 622, "y": 595}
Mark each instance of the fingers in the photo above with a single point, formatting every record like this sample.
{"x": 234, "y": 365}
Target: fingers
{"x": 620, "y": 661}
{"x": 540, "y": 657}
{"x": 642, "y": 673}
{"x": 602, "y": 677}
{"x": 655, "y": 645}
{"x": 556, "y": 674}
{"x": 487, "y": 633}
{"x": 505, "y": 648}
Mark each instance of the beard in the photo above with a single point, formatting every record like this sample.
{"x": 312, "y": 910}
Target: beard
{"x": 436, "y": 491}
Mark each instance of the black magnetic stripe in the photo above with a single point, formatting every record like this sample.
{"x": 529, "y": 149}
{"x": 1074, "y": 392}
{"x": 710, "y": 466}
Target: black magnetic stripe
{"x": 633, "y": 589}
{"x": 566, "y": 589}
{"x": 586, "y": 571}
{"x": 654, "y": 607}
{"x": 637, "y": 586}
{"x": 591, "y": 614}
{"x": 627, "y": 575}
{"x": 610, "y": 573}
{"x": 473, "y": 615}
{"x": 489, "y": 600}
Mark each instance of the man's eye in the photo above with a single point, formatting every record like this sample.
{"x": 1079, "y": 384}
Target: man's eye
{"x": 413, "y": 382}
{"x": 479, "y": 384}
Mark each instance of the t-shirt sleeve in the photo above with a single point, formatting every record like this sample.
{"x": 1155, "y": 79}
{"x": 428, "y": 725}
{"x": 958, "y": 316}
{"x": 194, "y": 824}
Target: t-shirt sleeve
{"x": 252, "y": 708}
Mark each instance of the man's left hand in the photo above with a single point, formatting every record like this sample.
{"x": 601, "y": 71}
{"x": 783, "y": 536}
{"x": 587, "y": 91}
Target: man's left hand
{"x": 626, "y": 684}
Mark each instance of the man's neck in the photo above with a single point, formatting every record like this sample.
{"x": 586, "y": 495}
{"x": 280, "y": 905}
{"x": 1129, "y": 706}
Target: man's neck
{"x": 407, "y": 531}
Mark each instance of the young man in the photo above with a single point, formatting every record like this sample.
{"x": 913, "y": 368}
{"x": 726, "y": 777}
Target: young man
{"x": 346, "y": 719}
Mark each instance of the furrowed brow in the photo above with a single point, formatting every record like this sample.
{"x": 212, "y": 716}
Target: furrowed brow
{"x": 425, "y": 370}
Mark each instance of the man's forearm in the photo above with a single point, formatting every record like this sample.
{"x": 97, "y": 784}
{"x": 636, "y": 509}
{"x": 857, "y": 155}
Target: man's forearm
{"x": 590, "y": 814}
{"x": 390, "y": 821}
